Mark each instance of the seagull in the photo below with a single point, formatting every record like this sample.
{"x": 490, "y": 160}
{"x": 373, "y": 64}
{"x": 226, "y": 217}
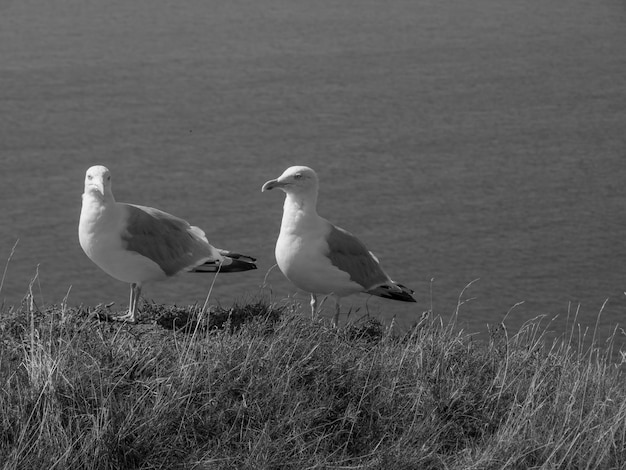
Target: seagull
{"x": 319, "y": 257}
{"x": 138, "y": 244}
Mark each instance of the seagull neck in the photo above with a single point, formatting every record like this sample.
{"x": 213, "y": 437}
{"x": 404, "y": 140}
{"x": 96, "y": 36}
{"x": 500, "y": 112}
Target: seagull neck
{"x": 95, "y": 200}
{"x": 298, "y": 209}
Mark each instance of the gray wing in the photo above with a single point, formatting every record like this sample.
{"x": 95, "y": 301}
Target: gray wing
{"x": 165, "y": 239}
{"x": 349, "y": 254}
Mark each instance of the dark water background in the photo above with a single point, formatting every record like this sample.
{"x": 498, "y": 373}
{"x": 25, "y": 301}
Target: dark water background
{"x": 458, "y": 139}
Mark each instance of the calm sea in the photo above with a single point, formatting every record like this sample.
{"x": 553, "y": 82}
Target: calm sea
{"x": 460, "y": 140}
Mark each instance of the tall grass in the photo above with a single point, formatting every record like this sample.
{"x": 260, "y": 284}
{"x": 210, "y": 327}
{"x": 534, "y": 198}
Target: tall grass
{"x": 6, "y": 268}
{"x": 262, "y": 386}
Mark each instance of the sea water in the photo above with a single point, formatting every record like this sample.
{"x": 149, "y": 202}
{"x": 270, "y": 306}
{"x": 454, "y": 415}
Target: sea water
{"x": 465, "y": 142}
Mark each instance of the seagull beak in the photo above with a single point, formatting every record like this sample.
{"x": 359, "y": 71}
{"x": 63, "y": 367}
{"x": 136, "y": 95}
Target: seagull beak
{"x": 98, "y": 185}
{"x": 271, "y": 184}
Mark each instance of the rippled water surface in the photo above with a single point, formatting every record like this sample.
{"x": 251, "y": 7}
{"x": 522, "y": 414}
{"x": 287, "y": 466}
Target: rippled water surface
{"x": 460, "y": 140}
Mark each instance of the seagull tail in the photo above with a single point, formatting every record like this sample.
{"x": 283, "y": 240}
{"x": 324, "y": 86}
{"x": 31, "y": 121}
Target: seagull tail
{"x": 236, "y": 262}
{"x": 234, "y": 265}
{"x": 394, "y": 291}
{"x": 207, "y": 267}
{"x": 233, "y": 262}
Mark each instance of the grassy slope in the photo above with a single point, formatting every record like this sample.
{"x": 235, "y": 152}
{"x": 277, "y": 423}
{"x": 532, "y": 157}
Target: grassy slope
{"x": 271, "y": 388}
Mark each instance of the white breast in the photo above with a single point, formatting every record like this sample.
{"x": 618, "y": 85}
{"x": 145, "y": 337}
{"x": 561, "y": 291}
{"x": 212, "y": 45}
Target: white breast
{"x": 99, "y": 233}
{"x": 301, "y": 256}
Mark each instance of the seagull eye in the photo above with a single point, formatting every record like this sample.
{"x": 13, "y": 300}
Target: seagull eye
{"x": 89, "y": 177}
{"x": 297, "y": 176}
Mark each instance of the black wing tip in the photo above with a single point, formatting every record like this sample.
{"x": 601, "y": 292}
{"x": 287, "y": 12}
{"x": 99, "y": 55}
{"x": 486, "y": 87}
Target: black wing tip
{"x": 390, "y": 292}
{"x": 209, "y": 267}
{"x": 239, "y": 256}
{"x": 238, "y": 265}
{"x": 402, "y": 297}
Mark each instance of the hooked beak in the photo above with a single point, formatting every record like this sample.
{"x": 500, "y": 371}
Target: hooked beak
{"x": 271, "y": 184}
{"x": 97, "y": 185}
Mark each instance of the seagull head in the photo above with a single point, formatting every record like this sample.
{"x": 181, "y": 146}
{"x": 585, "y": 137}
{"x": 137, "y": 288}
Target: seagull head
{"x": 98, "y": 181}
{"x": 294, "y": 180}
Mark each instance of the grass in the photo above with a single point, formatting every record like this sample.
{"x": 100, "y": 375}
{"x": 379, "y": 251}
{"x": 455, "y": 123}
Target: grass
{"x": 263, "y": 386}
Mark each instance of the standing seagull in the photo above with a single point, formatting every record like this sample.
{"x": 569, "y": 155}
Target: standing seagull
{"x": 138, "y": 244}
{"x": 319, "y": 257}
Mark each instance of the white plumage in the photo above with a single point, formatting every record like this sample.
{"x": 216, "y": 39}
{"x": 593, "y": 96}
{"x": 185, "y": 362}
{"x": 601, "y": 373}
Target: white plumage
{"x": 319, "y": 257}
{"x": 138, "y": 244}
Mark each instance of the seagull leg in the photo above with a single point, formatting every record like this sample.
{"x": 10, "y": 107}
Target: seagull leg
{"x": 336, "y": 319}
{"x": 136, "y": 289}
{"x": 135, "y": 292}
{"x": 313, "y": 306}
